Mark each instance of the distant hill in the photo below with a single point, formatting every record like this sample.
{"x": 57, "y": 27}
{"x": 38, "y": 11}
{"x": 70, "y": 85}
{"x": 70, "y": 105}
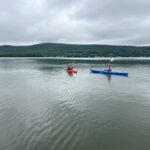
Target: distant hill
{"x": 73, "y": 50}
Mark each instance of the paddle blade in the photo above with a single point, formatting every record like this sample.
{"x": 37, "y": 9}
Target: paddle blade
{"x": 112, "y": 60}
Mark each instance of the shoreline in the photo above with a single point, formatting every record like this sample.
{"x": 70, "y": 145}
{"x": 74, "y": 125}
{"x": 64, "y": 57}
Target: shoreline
{"x": 81, "y": 58}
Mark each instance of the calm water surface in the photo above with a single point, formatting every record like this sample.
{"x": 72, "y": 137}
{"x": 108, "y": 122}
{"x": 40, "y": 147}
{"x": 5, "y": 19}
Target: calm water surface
{"x": 43, "y": 108}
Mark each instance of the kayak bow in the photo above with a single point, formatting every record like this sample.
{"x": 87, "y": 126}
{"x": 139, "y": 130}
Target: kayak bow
{"x": 109, "y": 72}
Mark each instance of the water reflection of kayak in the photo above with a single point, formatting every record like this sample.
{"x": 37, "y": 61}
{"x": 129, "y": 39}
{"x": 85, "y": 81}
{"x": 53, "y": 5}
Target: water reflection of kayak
{"x": 70, "y": 71}
{"x": 109, "y": 72}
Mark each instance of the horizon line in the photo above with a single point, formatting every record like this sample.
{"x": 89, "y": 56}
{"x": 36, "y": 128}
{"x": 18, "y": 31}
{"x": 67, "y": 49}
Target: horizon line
{"x": 38, "y": 43}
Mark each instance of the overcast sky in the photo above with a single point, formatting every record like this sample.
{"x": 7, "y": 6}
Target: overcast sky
{"x": 122, "y": 22}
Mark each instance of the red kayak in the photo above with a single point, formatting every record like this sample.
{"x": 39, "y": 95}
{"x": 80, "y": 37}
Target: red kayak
{"x": 70, "y": 71}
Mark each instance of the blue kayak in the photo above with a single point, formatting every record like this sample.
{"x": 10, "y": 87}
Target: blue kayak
{"x": 109, "y": 72}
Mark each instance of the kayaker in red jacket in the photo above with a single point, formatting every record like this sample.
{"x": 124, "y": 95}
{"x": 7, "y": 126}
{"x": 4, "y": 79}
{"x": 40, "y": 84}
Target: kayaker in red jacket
{"x": 109, "y": 68}
{"x": 71, "y": 66}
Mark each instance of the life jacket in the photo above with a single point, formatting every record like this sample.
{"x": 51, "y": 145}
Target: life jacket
{"x": 70, "y": 67}
{"x": 109, "y": 68}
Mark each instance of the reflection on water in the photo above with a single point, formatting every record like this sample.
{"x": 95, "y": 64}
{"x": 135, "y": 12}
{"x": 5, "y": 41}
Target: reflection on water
{"x": 42, "y": 107}
{"x": 109, "y": 77}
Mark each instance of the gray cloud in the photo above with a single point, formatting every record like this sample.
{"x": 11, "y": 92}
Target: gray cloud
{"x": 123, "y": 22}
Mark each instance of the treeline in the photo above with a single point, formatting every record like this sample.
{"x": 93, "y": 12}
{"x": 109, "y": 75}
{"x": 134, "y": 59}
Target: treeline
{"x": 73, "y": 50}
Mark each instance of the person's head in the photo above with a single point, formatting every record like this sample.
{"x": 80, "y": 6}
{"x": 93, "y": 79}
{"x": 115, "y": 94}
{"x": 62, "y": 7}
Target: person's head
{"x": 109, "y": 65}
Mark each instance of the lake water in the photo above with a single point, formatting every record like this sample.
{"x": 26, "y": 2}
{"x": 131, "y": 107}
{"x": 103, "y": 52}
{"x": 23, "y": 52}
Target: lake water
{"x": 43, "y": 108}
